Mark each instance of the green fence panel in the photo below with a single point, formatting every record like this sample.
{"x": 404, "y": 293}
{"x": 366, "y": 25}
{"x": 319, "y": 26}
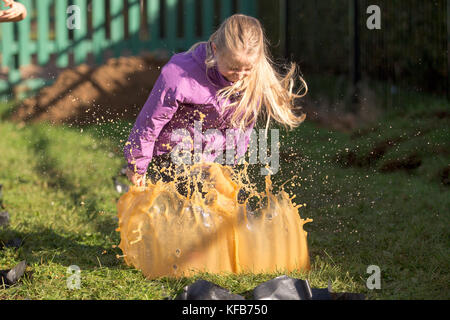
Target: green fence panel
{"x": 20, "y": 41}
{"x": 62, "y": 33}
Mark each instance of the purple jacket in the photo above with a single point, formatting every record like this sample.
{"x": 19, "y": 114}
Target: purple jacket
{"x": 182, "y": 95}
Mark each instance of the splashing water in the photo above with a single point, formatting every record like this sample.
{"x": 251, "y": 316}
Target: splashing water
{"x": 164, "y": 233}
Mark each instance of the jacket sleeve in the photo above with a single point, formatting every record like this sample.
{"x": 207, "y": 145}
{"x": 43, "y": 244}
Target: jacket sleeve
{"x": 159, "y": 109}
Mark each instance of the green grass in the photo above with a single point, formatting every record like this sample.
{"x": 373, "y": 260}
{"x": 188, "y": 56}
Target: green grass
{"x": 59, "y": 193}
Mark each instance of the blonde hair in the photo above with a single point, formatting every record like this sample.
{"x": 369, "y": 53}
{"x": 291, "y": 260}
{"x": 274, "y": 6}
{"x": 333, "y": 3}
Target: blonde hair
{"x": 264, "y": 86}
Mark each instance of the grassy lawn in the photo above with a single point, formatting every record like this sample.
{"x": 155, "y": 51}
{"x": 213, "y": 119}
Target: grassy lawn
{"x": 378, "y": 196}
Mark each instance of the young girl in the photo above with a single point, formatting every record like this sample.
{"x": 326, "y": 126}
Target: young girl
{"x": 15, "y": 13}
{"x": 226, "y": 83}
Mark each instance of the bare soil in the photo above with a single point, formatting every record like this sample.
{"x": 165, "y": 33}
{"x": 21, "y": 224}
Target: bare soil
{"x": 85, "y": 94}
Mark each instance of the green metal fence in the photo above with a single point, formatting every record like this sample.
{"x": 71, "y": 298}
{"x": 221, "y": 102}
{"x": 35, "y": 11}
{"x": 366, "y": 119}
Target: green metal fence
{"x": 113, "y": 26}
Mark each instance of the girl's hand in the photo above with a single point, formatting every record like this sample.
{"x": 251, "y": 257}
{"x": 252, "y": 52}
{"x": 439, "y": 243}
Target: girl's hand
{"x": 16, "y": 12}
{"x": 135, "y": 178}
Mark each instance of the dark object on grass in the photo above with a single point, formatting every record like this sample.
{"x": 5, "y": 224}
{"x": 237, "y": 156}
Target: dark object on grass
{"x": 286, "y": 288}
{"x": 283, "y": 288}
{"x": 4, "y": 218}
{"x": 14, "y": 243}
{"x": 205, "y": 290}
{"x": 445, "y": 176}
{"x": 120, "y": 187}
{"x": 12, "y": 276}
{"x": 2, "y": 206}
{"x": 280, "y": 288}
{"x": 123, "y": 171}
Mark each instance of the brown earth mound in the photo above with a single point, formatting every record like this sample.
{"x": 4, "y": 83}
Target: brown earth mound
{"x": 84, "y": 95}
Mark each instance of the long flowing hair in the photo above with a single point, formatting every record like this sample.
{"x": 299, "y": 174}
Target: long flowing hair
{"x": 264, "y": 90}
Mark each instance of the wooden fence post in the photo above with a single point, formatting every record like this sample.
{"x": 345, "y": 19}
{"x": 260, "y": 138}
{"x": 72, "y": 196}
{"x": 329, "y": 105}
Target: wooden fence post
{"x": 189, "y": 23}
{"x": 171, "y": 24}
{"x": 62, "y": 33}
{"x": 247, "y": 7}
{"x": 134, "y": 24}
{"x": 207, "y": 18}
{"x": 226, "y": 9}
{"x": 81, "y": 46}
{"x": 43, "y": 18}
{"x": 448, "y": 50}
{"x": 355, "y": 56}
{"x": 99, "y": 26}
{"x": 24, "y": 38}
{"x": 117, "y": 25}
{"x": 154, "y": 21}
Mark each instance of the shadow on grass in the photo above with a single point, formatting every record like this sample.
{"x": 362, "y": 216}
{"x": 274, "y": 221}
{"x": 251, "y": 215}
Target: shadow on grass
{"x": 47, "y": 168}
{"x": 44, "y": 244}
{"x": 7, "y": 111}
{"x": 116, "y": 132}
{"x": 48, "y": 171}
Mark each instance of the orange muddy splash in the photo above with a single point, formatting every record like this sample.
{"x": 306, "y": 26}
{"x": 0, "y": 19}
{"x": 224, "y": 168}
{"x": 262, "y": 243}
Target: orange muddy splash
{"x": 166, "y": 234}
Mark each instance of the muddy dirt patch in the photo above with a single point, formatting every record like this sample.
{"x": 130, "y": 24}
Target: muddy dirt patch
{"x": 444, "y": 175}
{"x": 352, "y": 159}
{"x": 84, "y": 95}
{"x": 407, "y": 163}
